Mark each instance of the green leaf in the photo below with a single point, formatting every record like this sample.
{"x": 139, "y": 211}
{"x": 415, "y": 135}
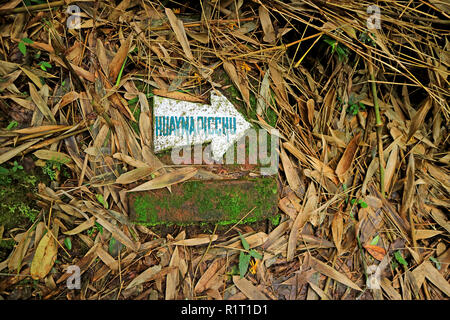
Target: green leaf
{"x": 12, "y": 125}
{"x": 374, "y": 242}
{"x": 255, "y": 254}
{"x": 101, "y": 200}
{"x": 244, "y": 242}
{"x": 244, "y": 261}
{"x": 436, "y": 261}
{"x": 133, "y": 101}
{"x": 99, "y": 227}
{"x": 22, "y": 48}
{"x": 27, "y": 40}
{"x": 68, "y": 243}
{"x": 398, "y": 256}
{"x": 112, "y": 242}
{"x": 362, "y": 204}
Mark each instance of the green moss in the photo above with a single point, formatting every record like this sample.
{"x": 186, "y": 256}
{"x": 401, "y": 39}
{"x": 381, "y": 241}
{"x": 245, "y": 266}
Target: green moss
{"x": 208, "y": 201}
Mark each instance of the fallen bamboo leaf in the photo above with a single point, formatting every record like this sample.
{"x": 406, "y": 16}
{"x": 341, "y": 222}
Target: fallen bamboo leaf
{"x": 300, "y": 220}
{"x": 82, "y": 227}
{"x": 52, "y": 155}
{"x": 248, "y": 289}
{"x": 15, "y": 151}
{"x": 178, "y": 28}
{"x": 134, "y": 175}
{"x": 45, "y": 257}
{"x": 375, "y": 251}
{"x": 167, "y": 179}
{"x": 269, "y": 32}
{"x": 291, "y": 174}
{"x": 419, "y": 117}
{"x": 41, "y": 104}
{"x": 321, "y": 267}
{"x": 196, "y": 241}
{"x": 337, "y": 230}
{"x": 119, "y": 58}
{"x": 347, "y": 158}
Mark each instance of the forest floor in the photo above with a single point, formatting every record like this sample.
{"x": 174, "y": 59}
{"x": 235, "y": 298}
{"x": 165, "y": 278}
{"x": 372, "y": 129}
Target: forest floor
{"x": 358, "y": 94}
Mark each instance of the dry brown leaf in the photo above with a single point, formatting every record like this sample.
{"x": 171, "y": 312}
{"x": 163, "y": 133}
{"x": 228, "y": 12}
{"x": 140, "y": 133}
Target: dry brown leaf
{"x": 53, "y": 155}
{"x": 347, "y": 158}
{"x": 337, "y": 229}
{"x": 321, "y": 267}
{"x": 254, "y": 240}
{"x": 150, "y": 274}
{"x": 375, "y": 251}
{"x": 269, "y": 32}
{"x": 116, "y": 232}
{"x": 15, "y": 151}
{"x": 45, "y": 257}
{"x": 130, "y": 160}
{"x": 291, "y": 174}
{"x": 119, "y": 10}
{"x": 409, "y": 187}
{"x": 167, "y": 179}
{"x": 208, "y": 275}
{"x": 248, "y": 289}
{"x": 196, "y": 241}
{"x": 432, "y": 274}
{"x": 419, "y": 117}
{"x": 177, "y": 95}
{"x": 300, "y": 220}
{"x": 391, "y": 166}
{"x": 82, "y": 227}
{"x": 134, "y": 175}
{"x": 107, "y": 259}
{"x": 119, "y": 58}
{"x": 425, "y": 234}
{"x": 15, "y": 260}
{"x": 230, "y": 69}
{"x": 173, "y": 277}
{"x": 178, "y": 28}
{"x": 41, "y": 104}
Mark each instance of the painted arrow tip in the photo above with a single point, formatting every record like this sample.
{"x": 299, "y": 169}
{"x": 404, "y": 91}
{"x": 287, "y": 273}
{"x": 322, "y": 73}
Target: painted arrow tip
{"x": 182, "y": 123}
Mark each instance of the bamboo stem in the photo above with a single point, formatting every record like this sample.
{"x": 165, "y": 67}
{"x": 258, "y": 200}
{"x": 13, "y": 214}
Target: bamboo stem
{"x": 35, "y": 7}
{"x": 378, "y": 124}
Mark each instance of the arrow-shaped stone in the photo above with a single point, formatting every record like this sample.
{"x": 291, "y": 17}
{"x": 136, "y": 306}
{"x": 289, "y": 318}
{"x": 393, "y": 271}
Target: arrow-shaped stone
{"x": 182, "y": 123}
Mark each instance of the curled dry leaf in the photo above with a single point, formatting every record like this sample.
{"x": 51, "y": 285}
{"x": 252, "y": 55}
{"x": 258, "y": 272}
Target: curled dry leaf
{"x": 347, "y": 158}
{"x": 167, "y": 179}
{"x": 45, "y": 257}
{"x": 375, "y": 251}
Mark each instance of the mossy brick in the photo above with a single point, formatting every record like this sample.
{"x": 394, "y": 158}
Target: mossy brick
{"x": 211, "y": 201}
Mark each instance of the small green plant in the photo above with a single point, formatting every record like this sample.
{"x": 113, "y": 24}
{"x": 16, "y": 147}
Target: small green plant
{"x": 16, "y": 167}
{"x": 354, "y": 108}
{"x": 359, "y": 202}
{"x": 12, "y": 125}
{"x": 92, "y": 232}
{"x": 398, "y": 256}
{"x": 365, "y": 38}
{"x": 44, "y": 65}
{"x": 245, "y": 256}
{"x": 68, "y": 243}
{"x": 341, "y": 50}
{"x": 102, "y": 200}
{"x": 52, "y": 166}
{"x": 48, "y": 170}
{"x": 22, "y": 46}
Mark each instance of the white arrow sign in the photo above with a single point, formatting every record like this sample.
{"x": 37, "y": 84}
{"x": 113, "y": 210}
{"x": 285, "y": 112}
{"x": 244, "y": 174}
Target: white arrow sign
{"x": 181, "y": 123}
